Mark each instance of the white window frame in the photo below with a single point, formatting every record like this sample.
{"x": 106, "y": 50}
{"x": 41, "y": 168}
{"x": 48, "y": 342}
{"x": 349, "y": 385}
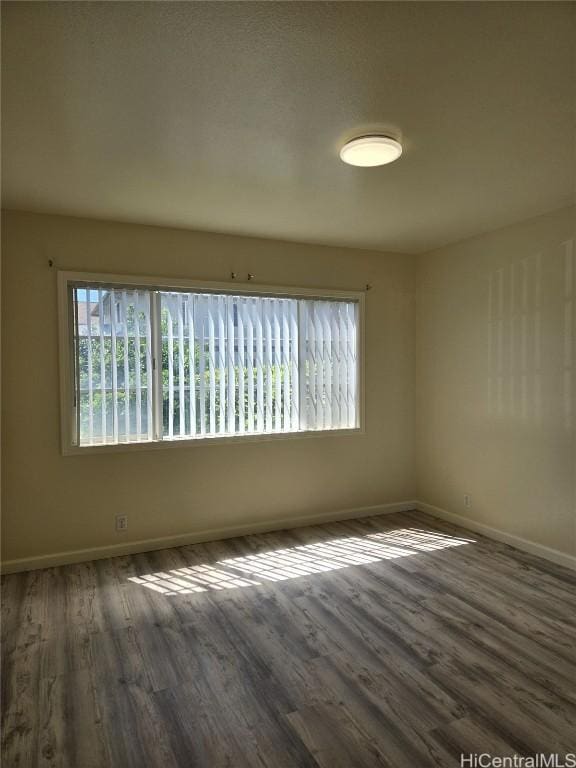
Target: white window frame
{"x": 236, "y": 288}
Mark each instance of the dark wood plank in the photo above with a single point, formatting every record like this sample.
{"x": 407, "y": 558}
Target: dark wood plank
{"x": 397, "y": 640}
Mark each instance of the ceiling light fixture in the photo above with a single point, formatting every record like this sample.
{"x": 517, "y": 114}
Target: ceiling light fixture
{"x": 368, "y": 151}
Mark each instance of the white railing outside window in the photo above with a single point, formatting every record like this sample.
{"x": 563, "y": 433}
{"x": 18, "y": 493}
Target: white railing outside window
{"x": 151, "y": 364}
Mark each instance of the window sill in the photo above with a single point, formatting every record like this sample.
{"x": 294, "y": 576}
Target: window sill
{"x": 72, "y": 450}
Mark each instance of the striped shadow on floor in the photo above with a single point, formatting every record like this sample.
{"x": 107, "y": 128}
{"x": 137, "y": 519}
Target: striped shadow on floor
{"x": 396, "y": 641}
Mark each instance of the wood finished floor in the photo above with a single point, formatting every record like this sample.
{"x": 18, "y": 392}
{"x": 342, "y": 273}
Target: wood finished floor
{"x": 409, "y": 659}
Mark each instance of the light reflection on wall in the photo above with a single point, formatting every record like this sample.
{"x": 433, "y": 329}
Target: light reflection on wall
{"x": 568, "y": 356}
{"x": 520, "y": 303}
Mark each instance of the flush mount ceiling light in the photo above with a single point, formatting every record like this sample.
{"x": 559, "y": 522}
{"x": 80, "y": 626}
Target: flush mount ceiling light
{"x": 367, "y": 151}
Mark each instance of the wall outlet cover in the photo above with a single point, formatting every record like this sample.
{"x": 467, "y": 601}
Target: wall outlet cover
{"x": 121, "y": 522}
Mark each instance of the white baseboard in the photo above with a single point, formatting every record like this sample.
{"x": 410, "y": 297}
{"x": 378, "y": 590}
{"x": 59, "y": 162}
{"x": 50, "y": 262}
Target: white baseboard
{"x": 554, "y": 555}
{"x": 212, "y": 534}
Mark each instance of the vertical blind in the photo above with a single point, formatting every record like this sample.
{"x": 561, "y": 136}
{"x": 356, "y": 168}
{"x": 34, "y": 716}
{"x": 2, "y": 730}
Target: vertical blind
{"x": 113, "y": 365}
{"x": 167, "y": 365}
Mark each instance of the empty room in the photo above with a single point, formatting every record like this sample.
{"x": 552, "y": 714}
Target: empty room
{"x": 288, "y": 357}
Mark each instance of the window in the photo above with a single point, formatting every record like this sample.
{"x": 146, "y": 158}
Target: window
{"x": 148, "y": 364}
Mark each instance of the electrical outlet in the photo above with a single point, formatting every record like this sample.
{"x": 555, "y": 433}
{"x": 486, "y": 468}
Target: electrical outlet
{"x": 467, "y": 500}
{"x": 121, "y": 522}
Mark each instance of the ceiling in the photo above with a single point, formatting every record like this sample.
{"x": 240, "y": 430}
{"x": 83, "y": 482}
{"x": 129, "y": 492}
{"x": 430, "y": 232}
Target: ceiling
{"x": 228, "y": 117}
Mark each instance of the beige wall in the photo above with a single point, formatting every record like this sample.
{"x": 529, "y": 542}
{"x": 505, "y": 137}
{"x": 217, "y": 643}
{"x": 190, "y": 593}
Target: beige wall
{"x": 495, "y": 396}
{"x": 54, "y": 503}
{"x": 496, "y": 379}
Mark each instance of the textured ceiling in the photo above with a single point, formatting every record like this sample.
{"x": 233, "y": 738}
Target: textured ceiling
{"x": 229, "y": 116}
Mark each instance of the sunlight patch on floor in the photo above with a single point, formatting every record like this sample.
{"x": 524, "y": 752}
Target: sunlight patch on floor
{"x": 294, "y": 562}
